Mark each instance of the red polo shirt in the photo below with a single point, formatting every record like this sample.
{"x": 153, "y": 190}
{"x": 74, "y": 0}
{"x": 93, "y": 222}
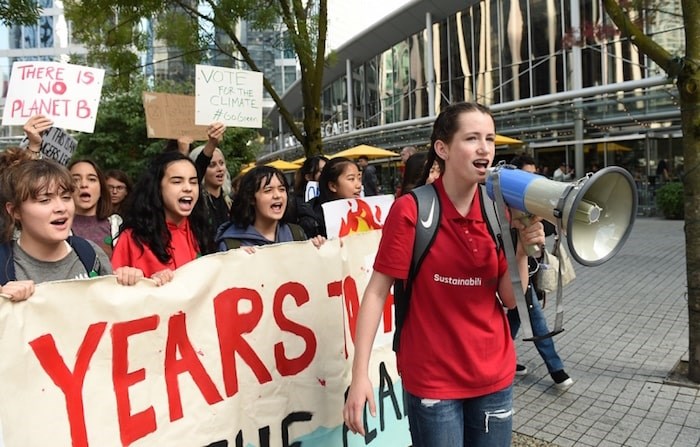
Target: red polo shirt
{"x": 455, "y": 342}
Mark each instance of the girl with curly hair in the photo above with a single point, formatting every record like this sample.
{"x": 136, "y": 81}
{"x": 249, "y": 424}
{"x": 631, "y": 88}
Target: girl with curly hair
{"x": 166, "y": 225}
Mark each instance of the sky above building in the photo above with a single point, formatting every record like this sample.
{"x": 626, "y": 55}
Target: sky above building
{"x": 346, "y": 19}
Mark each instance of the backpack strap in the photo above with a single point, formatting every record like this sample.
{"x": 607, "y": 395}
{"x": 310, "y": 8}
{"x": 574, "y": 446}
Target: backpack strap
{"x": 298, "y": 233}
{"x": 488, "y": 210}
{"x": 7, "y": 263}
{"x": 509, "y": 249}
{"x": 87, "y": 255}
{"x": 428, "y": 220}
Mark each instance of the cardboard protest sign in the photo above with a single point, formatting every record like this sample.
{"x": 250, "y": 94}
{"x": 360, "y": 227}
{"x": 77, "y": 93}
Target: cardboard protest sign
{"x": 171, "y": 116}
{"x": 56, "y": 144}
{"x": 231, "y": 352}
{"x": 233, "y": 97}
{"x": 347, "y": 216}
{"x": 68, "y": 94}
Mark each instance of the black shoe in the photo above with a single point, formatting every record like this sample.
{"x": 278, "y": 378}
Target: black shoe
{"x": 520, "y": 370}
{"x": 562, "y": 381}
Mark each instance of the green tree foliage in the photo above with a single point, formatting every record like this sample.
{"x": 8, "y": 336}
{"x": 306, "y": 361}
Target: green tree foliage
{"x": 120, "y": 139}
{"x": 19, "y": 12}
{"x": 629, "y": 17}
{"x": 669, "y": 199}
{"x": 113, "y": 32}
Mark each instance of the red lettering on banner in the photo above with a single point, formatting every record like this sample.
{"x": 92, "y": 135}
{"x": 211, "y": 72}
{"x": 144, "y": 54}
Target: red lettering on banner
{"x": 287, "y": 366}
{"x": 230, "y": 326}
{"x": 348, "y": 290}
{"x": 352, "y": 303}
{"x": 334, "y": 289}
{"x": 71, "y": 383}
{"x": 388, "y": 313}
{"x": 136, "y": 426}
{"x": 189, "y": 362}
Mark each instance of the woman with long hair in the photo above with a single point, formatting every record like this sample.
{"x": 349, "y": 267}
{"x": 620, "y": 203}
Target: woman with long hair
{"x": 166, "y": 225}
{"x": 340, "y": 179}
{"x": 455, "y": 353}
{"x": 93, "y": 219}
{"x": 259, "y": 215}
{"x": 215, "y": 183}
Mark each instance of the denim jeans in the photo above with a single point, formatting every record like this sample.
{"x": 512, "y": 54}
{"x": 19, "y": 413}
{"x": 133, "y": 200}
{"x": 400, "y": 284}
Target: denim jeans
{"x": 485, "y": 421}
{"x": 539, "y": 327}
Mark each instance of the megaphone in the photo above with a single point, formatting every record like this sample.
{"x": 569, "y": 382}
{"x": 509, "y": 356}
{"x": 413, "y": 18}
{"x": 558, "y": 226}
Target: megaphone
{"x": 596, "y": 212}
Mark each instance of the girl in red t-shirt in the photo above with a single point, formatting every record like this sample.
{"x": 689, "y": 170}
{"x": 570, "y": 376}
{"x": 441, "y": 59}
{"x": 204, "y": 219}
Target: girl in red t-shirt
{"x": 456, "y": 356}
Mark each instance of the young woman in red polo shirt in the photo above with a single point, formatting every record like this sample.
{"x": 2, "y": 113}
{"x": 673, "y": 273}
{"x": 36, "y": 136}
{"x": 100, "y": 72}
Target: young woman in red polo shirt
{"x": 456, "y": 356}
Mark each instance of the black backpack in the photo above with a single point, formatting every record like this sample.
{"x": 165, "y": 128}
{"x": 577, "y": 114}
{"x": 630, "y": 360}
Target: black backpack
{"x": 429, "y": 211}
{"x": 85, "y": 251}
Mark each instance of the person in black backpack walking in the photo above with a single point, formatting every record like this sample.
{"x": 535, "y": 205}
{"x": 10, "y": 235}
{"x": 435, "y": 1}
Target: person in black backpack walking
{"x": 259, "y": 213}
{"x": 455, "y": 356}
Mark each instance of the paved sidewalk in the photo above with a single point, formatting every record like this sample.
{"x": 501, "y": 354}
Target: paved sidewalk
{"x": 626, "y": 327}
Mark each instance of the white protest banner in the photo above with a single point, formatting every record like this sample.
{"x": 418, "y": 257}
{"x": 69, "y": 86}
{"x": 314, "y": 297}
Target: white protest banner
{"x": 346, "y": 216}
{"x": 68, "y": 94}
{"x": 231, "y": 352}
{"x": 171, "y": 116}
{"x": 56, "y": 144}
{"x": 227, "y": 95}
{"x": 312, "y": 190}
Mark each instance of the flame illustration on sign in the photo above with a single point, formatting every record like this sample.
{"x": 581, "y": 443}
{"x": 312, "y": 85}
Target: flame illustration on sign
{"x": 360, "y": 219}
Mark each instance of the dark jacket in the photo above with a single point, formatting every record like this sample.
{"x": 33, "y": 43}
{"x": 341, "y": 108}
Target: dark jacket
{"x": 309, "y": 216}
{"x": 250, "y": 236}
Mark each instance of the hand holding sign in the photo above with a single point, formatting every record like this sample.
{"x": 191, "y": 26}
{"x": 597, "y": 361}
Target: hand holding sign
{"x": 34, "y": 128}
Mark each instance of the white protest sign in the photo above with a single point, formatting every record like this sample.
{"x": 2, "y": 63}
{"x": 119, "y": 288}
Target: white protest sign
{"x": 312, "y": 190}
{"x": 347, "y": 216}
{"x": 230, "y": 352}
{"x": 56, "y": 144}
{"x": 68, "y": 94}
{"x": 229, "y": 96}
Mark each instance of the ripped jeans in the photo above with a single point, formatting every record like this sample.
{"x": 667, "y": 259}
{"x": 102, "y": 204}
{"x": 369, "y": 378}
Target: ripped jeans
{"x": 485, "y": 421}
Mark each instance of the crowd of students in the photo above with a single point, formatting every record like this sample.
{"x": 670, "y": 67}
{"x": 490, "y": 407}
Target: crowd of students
{"x": 180, "y": 208}
{"x": 457, "y": 357}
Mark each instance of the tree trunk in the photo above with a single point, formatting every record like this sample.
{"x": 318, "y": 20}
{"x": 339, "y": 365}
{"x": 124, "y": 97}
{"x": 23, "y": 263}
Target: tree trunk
{"x": 689, "y": 88}
{"x": 687, "y": 72}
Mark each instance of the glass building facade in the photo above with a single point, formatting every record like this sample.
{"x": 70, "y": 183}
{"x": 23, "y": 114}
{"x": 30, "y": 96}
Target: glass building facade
{"x": 517, "y": 57}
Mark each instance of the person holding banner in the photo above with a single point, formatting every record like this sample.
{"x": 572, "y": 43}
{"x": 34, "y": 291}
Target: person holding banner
{"x": 37, "y": 214}
{"x": 456, "y": 356}
{"x": 259, "y": 215}
{"x": 166, "y": 225}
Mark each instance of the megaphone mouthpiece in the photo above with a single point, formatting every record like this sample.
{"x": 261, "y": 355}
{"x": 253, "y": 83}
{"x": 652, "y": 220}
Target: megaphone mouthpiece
{"x": 588, "y": 212}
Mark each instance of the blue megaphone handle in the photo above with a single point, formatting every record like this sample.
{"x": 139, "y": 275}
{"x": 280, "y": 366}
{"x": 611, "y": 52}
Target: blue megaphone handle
{"x": 513, "y": 186}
